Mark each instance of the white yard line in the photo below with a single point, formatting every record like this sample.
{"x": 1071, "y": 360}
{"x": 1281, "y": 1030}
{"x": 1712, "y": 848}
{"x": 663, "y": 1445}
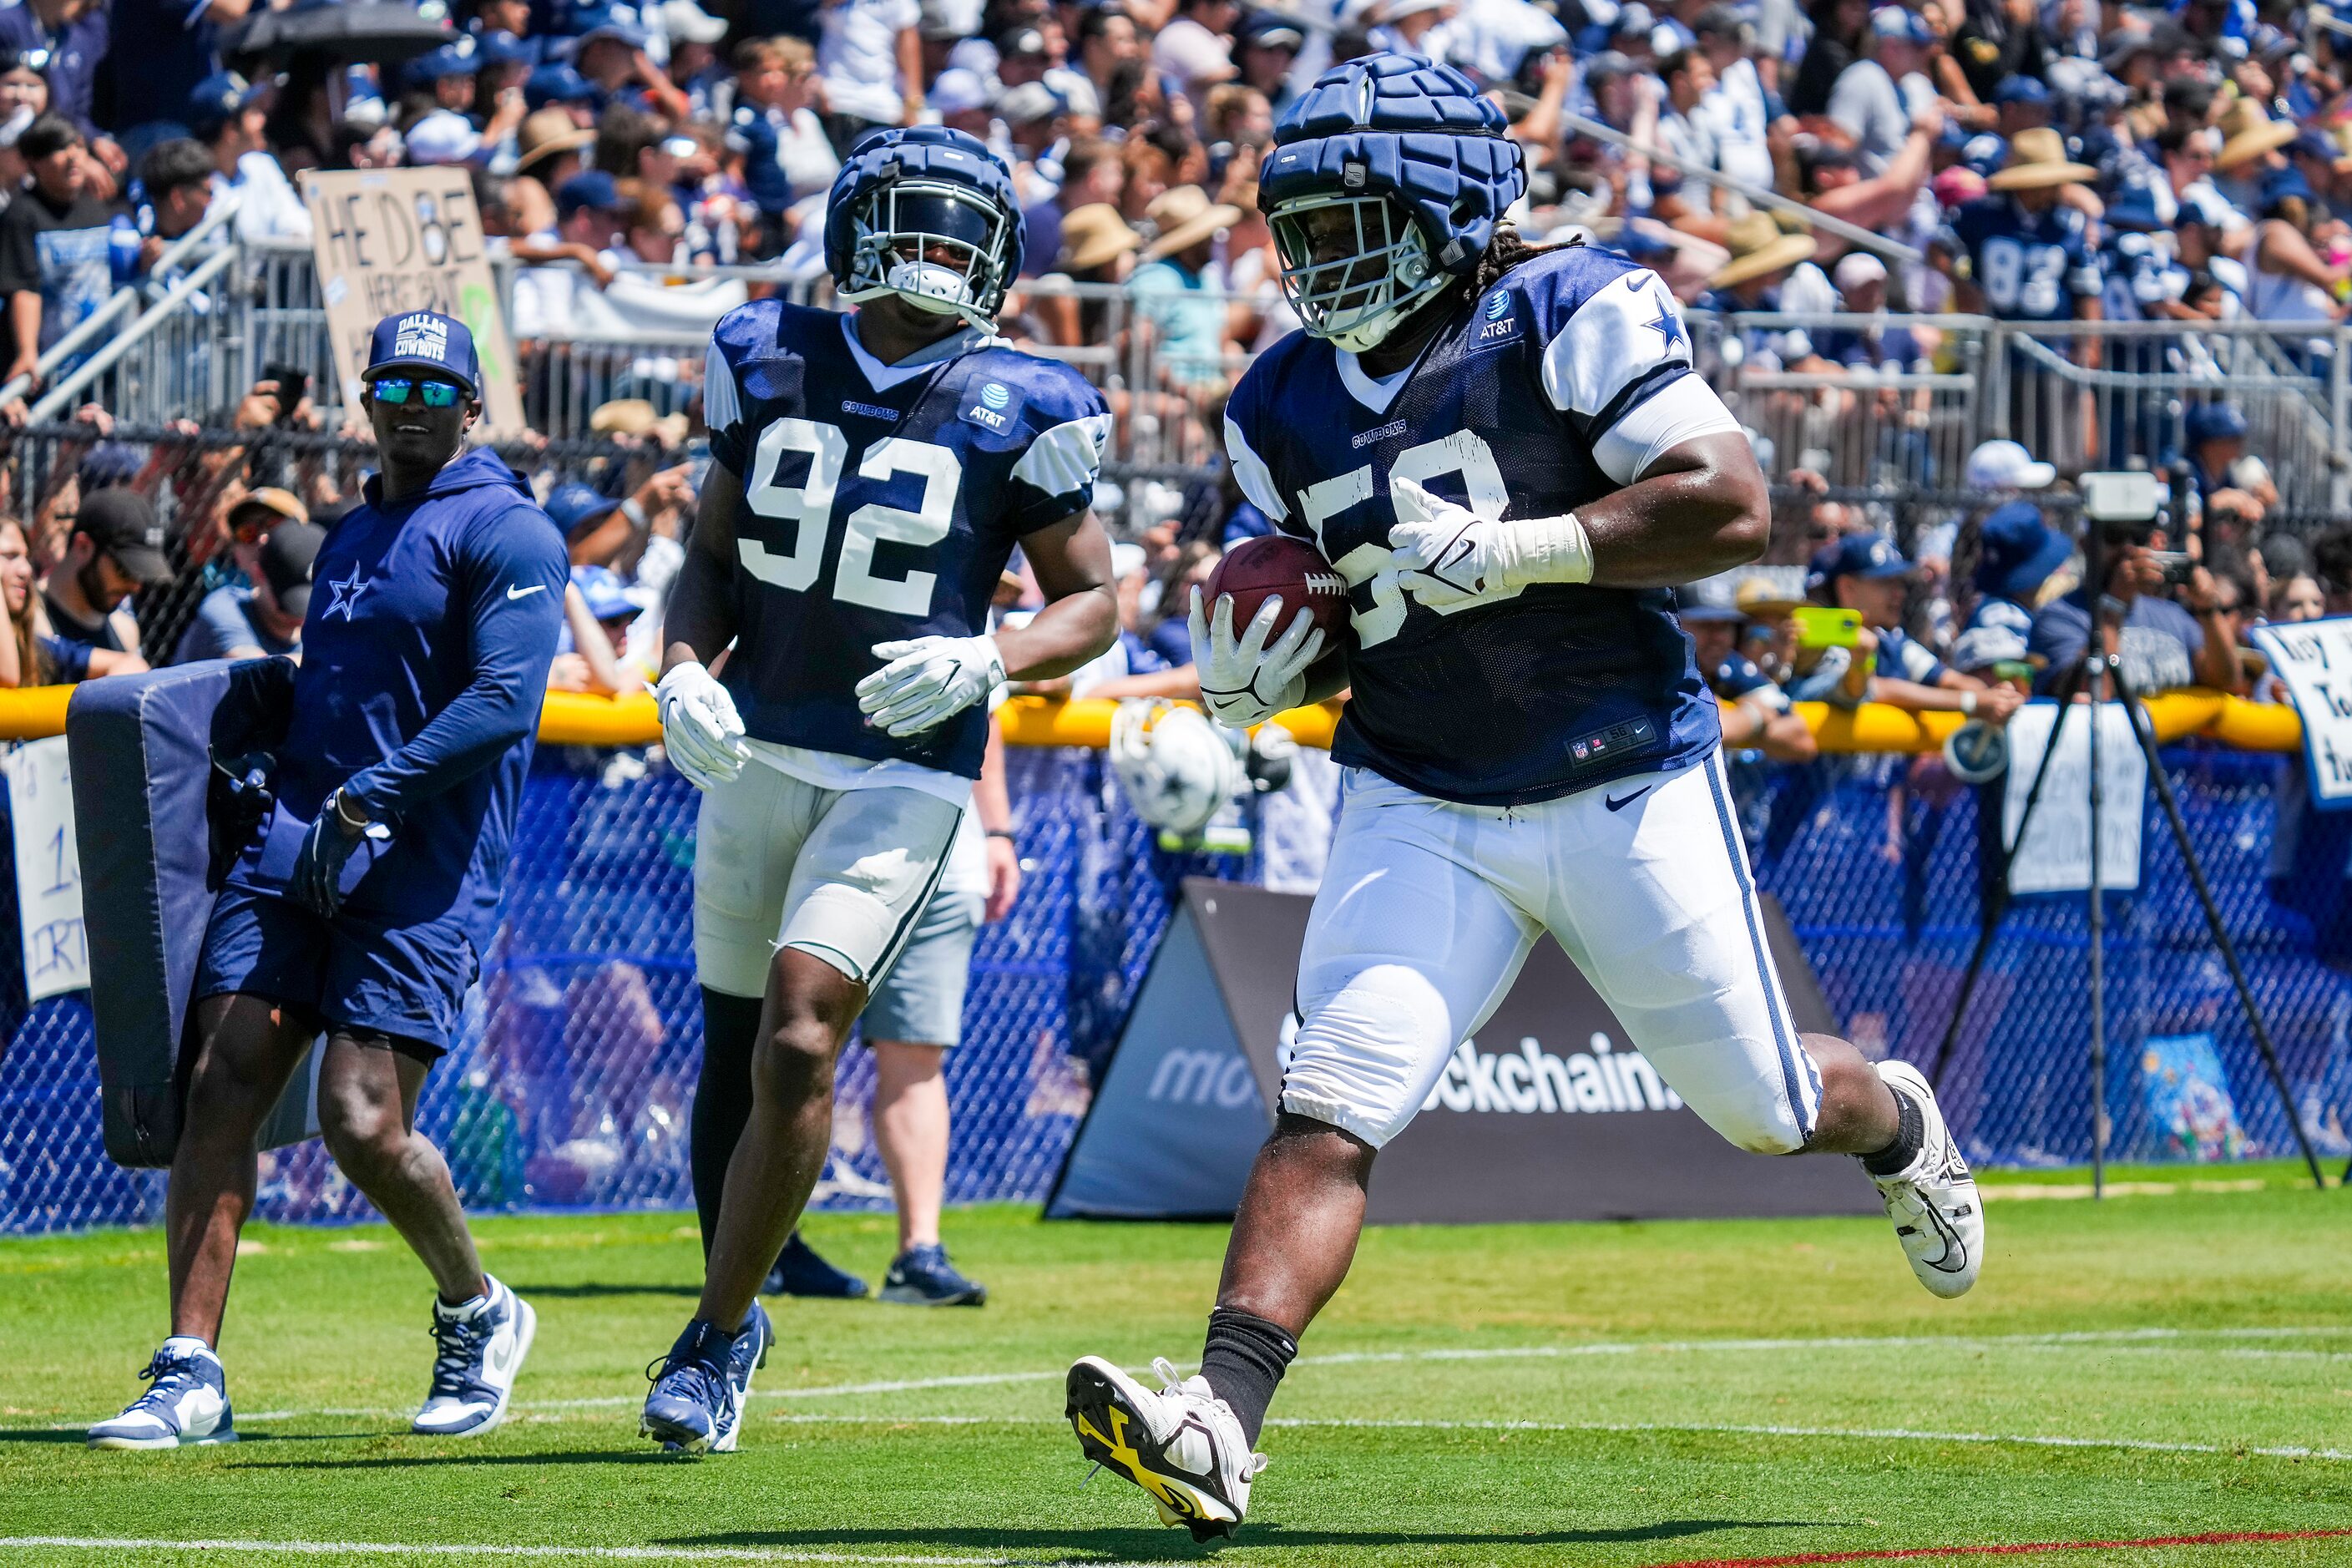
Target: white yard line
{"x": 2144, "y": 1340}
{"x": 1870, "y": 1434}
{"x": 421, "y": 1548}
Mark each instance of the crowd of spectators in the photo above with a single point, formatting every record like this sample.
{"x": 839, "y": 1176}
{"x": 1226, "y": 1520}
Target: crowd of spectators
{"x": 2048, "y": 162}
{"x": 1994, "y": 608}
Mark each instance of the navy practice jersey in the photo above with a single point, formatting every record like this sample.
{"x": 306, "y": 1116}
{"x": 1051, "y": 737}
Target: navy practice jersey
{"x": 1559, "y": 385}
{"x": 424, "y": 656}
{"x": 881, "y": 503}
{"x": 2029, "y": 266}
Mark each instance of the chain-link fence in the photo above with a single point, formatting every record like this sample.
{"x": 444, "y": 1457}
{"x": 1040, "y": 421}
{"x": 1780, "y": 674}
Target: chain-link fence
{"x": 573, "y": 1082}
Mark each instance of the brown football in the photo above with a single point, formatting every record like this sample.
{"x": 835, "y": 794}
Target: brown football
{"x": 1276, "y": 564}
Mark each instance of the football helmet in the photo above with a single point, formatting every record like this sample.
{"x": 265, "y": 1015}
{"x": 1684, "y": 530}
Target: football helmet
{"x": 1177, "y": 768}
{"x": 1385, "y": 183}
{"x": 926, "y": 214}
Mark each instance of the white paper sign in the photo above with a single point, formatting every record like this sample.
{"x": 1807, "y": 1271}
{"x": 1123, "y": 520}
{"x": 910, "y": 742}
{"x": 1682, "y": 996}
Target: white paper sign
{"x": 2314, "y": 660}
{"x": 2055, "y": 857}
{"x": 48, "y": 872}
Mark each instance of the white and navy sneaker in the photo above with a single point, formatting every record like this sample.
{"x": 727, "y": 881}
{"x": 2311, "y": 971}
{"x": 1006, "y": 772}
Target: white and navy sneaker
{"x": 1933, "y": 1200}
{"x": 922, "y": 1277}
{"x": 186, "y": 1404}
{"x": 693, "y": 1405}
{"x": 747, "y": 1355}
{"x": 1183, "y": 1444}
{"x": 481, "y": 1346}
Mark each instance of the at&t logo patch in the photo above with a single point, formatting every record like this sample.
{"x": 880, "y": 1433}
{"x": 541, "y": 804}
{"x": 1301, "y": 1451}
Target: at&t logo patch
{"x": 1500, "y": 325}
{"x": 994, "y": 408}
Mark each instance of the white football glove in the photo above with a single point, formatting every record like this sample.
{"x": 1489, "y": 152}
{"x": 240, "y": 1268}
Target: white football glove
{"x": 928, "y": 681}
{"x": 700, "y": 729}
{"x": 1244, "y": 681}
{"x": 1451, "y": 558}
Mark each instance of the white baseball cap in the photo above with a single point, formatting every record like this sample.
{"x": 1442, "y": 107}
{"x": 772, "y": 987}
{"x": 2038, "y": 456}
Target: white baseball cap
{"x": 2006, "y": 466}
{"x": 1858, "y": 268}
{"x": 685, "y": 20}
{"x": 444, "y": 136}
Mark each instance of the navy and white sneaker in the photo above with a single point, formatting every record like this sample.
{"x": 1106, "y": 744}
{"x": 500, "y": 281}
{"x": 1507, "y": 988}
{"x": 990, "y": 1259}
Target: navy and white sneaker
{"x": 747, "y": 1355}
{"x": 801, "y": 1270}
{"x": 186, "y": 1404}
{"x": 693, "y": 1405}
{"x": 479, "y": 1346}
{"x": 922, "y": 1277}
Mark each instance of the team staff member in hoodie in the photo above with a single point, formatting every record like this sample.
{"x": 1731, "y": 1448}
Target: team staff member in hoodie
{"x": 363, "y": 908}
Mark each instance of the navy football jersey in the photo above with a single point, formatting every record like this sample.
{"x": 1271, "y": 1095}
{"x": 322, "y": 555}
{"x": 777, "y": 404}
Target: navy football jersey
{"x": 1560, "y": 385}
{"x": 2140, "y": 273}
{"x": 2029, "y": 266}
{"x": 881, "y": 503}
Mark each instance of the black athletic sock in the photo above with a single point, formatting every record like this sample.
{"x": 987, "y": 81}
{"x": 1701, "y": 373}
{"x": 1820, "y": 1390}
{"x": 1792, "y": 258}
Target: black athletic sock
{"x": 722, "y": 1099}
{"x": 1907, "y": 1139}
{"x": 1243, "y": 1361}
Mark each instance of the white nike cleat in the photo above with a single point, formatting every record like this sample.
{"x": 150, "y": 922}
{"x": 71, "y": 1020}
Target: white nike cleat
{"x": 1933, "y": 1201}
{"x": 482, "y": 1345}
{"x": 1183, "y": 1444}
{"x": 186, "y": 1404}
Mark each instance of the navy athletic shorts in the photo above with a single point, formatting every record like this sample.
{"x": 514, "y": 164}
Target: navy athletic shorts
{"x": 352, "y": 974}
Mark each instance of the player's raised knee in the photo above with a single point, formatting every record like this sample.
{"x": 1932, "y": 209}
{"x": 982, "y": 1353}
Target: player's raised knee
{"x": 1759, "y": 1123}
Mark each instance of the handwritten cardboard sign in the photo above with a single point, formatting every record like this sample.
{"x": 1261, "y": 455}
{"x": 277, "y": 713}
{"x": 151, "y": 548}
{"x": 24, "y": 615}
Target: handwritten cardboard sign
{"x": 391, "y": 240}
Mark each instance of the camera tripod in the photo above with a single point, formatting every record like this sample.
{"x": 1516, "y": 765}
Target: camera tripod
{"x": 2097, "y": 660}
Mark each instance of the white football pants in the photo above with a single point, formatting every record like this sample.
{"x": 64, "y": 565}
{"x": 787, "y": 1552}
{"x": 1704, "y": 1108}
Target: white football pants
{"x": 1428, "y": 908}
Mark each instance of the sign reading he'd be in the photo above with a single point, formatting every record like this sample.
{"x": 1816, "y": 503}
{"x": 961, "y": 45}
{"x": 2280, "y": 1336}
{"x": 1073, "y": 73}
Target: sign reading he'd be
{"x": 392, "y": 240}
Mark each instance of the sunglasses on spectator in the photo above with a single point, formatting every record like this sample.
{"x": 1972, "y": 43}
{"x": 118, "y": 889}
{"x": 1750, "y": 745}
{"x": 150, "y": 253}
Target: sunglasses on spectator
{"x": 396, "y": 390}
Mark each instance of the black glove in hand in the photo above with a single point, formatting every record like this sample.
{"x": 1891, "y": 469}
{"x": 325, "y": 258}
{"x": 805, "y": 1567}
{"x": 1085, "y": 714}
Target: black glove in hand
{"x": 316, "y": 882}
{"x": 239, "y": 802}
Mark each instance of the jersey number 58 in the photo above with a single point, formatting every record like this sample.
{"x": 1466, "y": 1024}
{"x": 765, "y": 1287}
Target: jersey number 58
{"x": 1465, "y": 453}
{"x": 808, "y": 506}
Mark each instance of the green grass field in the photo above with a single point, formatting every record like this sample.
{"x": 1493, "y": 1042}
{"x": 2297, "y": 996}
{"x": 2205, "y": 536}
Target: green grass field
{"x": 2173, "y": 1363}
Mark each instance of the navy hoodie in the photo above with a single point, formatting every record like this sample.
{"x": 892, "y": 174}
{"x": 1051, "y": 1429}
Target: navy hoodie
{"x": 424, "y": 656}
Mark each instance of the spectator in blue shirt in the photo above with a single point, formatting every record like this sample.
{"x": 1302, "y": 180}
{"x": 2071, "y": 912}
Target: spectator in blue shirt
{"x": 1866, "y": 572}
{"x": 1170, "y": 291}
{"x": 70, "y": 38}
{"x": 2017, "y": 554}
{"x": 235, "y": 621}
{"x": 1756, "y": 714}
{"x": 2163, "y": 645}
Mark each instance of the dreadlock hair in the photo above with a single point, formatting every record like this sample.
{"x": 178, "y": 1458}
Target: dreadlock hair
{"x": 1504, "y": 251}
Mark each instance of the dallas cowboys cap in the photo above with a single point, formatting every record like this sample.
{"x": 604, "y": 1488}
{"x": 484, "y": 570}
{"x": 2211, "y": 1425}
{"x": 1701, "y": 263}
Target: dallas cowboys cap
{"x": 424, "y": 339}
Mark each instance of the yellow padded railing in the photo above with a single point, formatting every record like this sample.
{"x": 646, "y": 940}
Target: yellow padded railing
{"x": 572, "y": 718}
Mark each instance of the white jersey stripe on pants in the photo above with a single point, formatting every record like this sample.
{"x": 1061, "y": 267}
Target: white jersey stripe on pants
{"x": 1428, "y": 910}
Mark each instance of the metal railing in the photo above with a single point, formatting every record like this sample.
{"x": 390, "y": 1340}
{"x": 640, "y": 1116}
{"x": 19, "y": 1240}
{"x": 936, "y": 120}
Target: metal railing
{"x": 1896, "y": 425}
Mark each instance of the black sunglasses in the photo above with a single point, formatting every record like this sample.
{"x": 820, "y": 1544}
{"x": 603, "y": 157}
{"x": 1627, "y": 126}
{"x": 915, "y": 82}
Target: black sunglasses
{"x": 395, "y": 390}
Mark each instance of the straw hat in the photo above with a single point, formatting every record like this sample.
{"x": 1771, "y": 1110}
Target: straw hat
{"x": 546, "y": 132}
{"x": 2037, "y": 159}
{"x": 1183, "y": 217}
{"x": 636, "y": 416}
{"x": 2248, "y": 134}
{"x": 1095, "y": 235}
{"x": 1759, "y": 248}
